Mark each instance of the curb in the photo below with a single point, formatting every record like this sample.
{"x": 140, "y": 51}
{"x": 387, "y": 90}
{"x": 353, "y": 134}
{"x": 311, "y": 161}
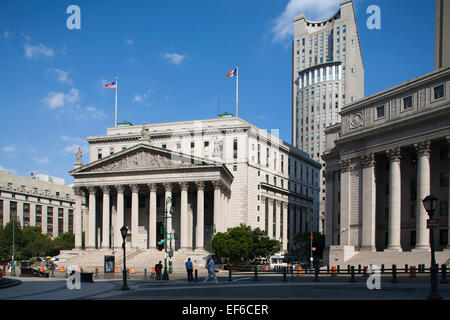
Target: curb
{"x": 7, "y": 283}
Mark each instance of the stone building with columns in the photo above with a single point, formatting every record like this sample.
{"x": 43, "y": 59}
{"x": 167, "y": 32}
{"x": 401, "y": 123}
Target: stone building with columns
{"x": 391, "y": 150}
{"x": 219, "y": 173}
{"x": 37, "y": 203}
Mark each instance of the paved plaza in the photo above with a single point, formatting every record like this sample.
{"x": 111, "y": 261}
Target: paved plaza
{"x": 242, "y": 287}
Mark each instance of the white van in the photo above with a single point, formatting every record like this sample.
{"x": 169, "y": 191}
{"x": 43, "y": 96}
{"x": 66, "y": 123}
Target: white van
{"x": 277, "y": 261}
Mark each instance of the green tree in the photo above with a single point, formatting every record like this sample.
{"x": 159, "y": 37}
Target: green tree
{"x": 6, "y": 241}
{"x": 303, "y": 244}
{"x": 66, "y": 241}
{"x": 241, "y": 245}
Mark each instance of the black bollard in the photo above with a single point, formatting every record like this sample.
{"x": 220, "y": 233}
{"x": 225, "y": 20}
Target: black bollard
{"x": 444, "y": 274}
{"x": 338, "y": 268}
{"x": 316, "y": 274}
{"x": 196, "y": 276}
{"x": 352, "y": 278}
{"x": 328, "y": 269}
{"x": 382, "y": 268}
{"x": 394, "y": 274}
{"x": 229, "y": 275}
{"x": 406, "y": 268}
{"x": 348, "y": 268}
{"x": 255, "y": 278}
{"x": 284, "y": 274}
{"x": 359, "y": 268}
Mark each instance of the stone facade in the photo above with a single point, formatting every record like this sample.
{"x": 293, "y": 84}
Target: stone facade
{"x": 218, "y": 172}
{"x": 36, "y": 203}
{"x": 389, "y": 153}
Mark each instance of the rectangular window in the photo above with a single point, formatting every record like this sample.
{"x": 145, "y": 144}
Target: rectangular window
{"x": 111, "y": 151}
{"x": 267, "y": 157}
{"x": 282, "y": 163}
{"x": 407, "y": 102}
{"x": 38, "y": 215}
{"x": 60, "y": 222}
{"x": 380, "y": 112}
{"x": 443, "y": 208}
{"x": 164, "y": 146}
{"x": 70, "y": 227}
{"x": 443, "y": 180}
{"x": 443, "y": 237}
{"x": 50, "y": 221}
{"x": 235, "y": 148}
{"x": 12, "y": 209}
{"x": 99, "y": 153}
{"x": 26, "y": 214}
{"x": 206, "y": 148}
{"x": 438, "y": 92}
{"x": 259, "y": 154}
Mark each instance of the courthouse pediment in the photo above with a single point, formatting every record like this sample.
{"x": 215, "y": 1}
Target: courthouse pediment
{"x": 141, "y": 157}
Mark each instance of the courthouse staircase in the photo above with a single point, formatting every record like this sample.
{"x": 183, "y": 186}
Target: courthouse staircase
{"x": 388, "y": 258}
{"x": 138, "y": 259}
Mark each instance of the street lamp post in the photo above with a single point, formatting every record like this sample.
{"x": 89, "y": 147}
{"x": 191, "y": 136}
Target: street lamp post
{"x": 430, "y": 204}
{"x": 166, "y": 216}
{"x": 124, "y": 232}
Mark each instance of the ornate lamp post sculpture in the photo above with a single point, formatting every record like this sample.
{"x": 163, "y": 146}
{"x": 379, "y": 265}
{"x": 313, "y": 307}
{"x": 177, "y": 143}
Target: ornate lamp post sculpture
{"x": 167, "y": 216}
{"x": 124, "y": 232}
{"x": 430, "y": 204}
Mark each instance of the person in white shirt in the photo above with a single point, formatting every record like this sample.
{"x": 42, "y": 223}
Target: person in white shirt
{"x": 211, "y": 272}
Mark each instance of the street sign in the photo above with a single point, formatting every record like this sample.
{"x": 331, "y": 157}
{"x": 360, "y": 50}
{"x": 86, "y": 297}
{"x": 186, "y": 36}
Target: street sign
{"x": 433, "y": 223}
{"x": 313, "y": 248}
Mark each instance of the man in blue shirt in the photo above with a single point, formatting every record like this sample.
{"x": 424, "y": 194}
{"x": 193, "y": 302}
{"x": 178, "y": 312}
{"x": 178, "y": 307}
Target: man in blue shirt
{"x": 211, "y": 272}
{"x": 189, "y": 270}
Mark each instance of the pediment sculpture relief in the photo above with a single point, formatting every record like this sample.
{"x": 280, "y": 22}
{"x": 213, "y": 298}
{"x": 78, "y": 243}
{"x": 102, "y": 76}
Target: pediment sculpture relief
{"x": 138, "y": 160}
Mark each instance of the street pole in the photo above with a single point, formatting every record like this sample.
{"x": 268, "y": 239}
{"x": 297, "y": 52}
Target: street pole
{"x": 310, "y": 230}
{"x": 434, "y": 294}
{"x": 166, "y": 216}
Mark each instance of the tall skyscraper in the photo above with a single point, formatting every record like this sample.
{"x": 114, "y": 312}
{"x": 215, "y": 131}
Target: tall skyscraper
{"x": 328, "y": 73}
{"x": 442, "y": 35}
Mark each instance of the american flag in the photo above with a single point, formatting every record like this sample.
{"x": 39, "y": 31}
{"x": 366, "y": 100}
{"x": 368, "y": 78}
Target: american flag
{"x": 111, "y": 85}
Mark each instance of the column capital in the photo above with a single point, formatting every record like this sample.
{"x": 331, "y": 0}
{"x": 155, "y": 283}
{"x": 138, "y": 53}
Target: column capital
{"x": 106, "y": 189}
{"x": 184, "y": 186}
{"x": 78, "y": 191}
{"x": 119, "y": 188}
{"x": 134, "y": 188}
{"x": 344, "y": 165}
{"x": 152, "y": 187}
{"x": 91, "y": 189}
{"x": 368, "y": 160}
{"x": 217, "y": 184}
{"x": 168, "y": 186}
{"x": 423, "y": 148}
{"x": 200, "y": 185}
{"x": 328, "y": 176}
{"x": 394, "y": 155}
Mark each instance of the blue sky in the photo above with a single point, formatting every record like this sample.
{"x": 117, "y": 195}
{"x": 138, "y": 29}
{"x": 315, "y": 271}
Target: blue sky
{"x": 171, "y": 58}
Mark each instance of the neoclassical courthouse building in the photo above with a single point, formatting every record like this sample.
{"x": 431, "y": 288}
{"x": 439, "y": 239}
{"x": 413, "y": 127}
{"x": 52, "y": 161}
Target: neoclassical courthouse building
{"x": 219, "y": 173}
{"x": 389, "y": 152}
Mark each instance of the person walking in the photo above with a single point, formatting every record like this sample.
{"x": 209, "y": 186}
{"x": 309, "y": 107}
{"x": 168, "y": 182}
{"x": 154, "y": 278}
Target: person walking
{"x": 189, "y": 270}
{"x": 158, "y": 271}
{"x": 211, "y": 272}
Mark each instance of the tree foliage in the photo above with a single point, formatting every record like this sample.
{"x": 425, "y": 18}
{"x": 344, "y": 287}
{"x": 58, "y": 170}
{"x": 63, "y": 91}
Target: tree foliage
{"x": 30, "y": 242}
{"x": 303, "y": 244}
{"x": 242, "y": 245}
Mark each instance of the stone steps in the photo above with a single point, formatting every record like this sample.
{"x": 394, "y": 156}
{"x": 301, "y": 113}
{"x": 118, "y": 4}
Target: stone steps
{"x": 413, "y": 258}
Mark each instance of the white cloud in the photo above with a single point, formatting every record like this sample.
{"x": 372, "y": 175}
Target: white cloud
{"x": 129, "y": 42}
{"x": 37, "y": 51}
{"x": 314, "y": 10}
{"x": 59, "y": 99}
{"x": 42, "y": 160}
{"x": 61, "y": 75}
{"x": 11, "y": 148}
{"x": 174, "y": 58}
{"x": 90, "y": 113}
{"x": 132, "y": 60}
{"x": 73, "y": 148}
{"x": 8, "y": 34}
{"x": 7, "y": 170}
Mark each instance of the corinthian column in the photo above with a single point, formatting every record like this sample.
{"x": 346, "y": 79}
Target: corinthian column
{"x": 92, "y": 218}
{"x": 217, "y": 205}
{"x": 423, "y": 190}
{"x": 394, "y": 200}
{"x": 77, "y": 217}
{"x": 345, "y": 202}
{"x": 368, "y": 202}
{"x": 120, "y": 216}
{"x": 152, "y": 216}
{"x": 105, "y": 233}
{"x": 183, "y": 215}
{"x": 199, "y": 238}
{"x": 134, "y": 215}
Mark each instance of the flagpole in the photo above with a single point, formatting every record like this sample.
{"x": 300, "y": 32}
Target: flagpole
{"x": 237, "y": 92}
{"x": 115, "y": 117}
